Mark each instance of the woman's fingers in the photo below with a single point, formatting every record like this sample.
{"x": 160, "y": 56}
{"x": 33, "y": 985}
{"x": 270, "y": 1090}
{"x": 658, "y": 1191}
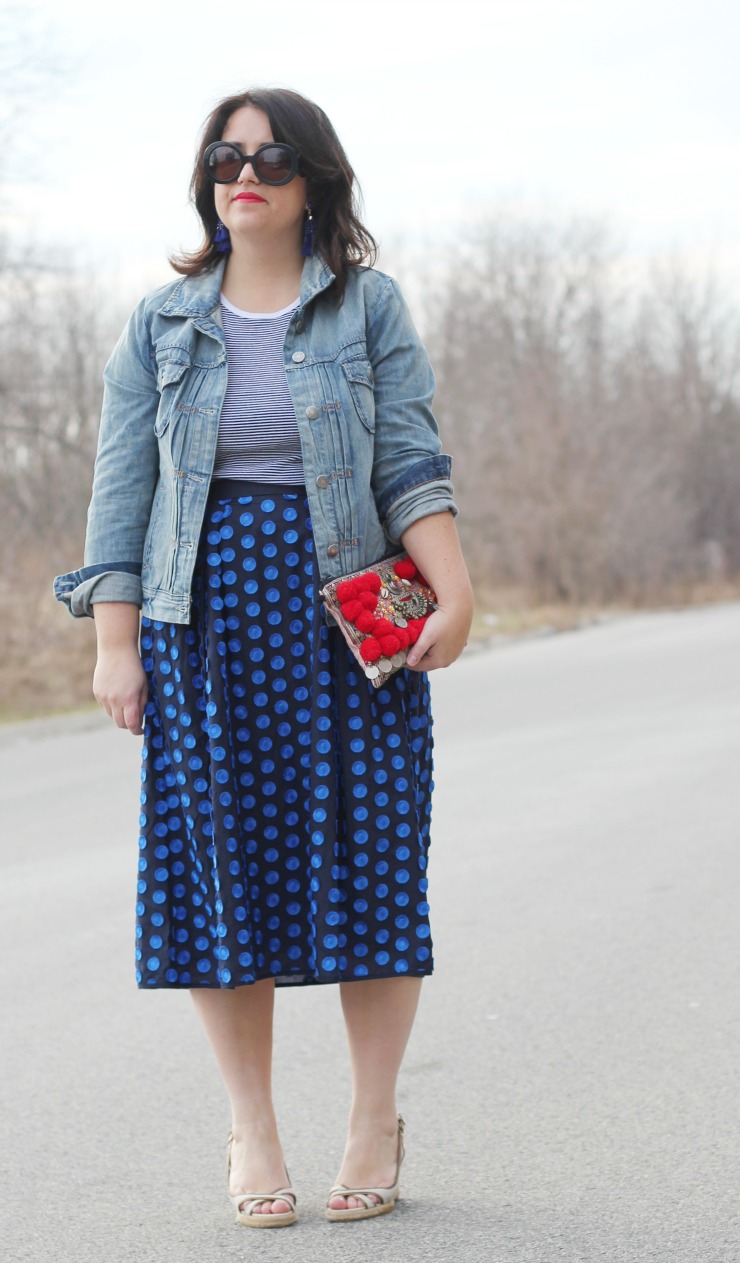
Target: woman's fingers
{"x": 128, "y": 715}
{"x": 131, "y": 718}
{"x": 120, "y": 686}
{"x": 441, "y": 641}
{"x": 132, "y": 715}
{"x": 423, "y": 649}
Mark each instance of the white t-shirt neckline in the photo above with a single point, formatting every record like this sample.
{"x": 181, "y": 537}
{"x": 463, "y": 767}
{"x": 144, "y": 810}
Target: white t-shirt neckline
{"x": 258, "y": 315}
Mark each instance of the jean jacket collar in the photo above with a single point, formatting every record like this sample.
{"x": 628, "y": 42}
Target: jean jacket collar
{"x": 199, "y": 295}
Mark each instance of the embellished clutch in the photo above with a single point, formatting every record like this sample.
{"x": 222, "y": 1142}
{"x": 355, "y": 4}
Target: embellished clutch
{"x": 381, "y": 612}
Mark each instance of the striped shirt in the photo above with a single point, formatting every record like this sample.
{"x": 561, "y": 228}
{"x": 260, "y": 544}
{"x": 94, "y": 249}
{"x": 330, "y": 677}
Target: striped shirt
{"x": 258, "y": 432}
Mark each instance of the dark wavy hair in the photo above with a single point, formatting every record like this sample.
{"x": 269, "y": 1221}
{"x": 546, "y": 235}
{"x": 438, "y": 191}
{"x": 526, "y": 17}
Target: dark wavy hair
{"x": 340, "y": 236}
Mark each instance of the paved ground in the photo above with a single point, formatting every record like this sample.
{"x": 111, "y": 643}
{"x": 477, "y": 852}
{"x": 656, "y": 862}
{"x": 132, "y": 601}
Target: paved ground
{"x": 571, "y": 1089}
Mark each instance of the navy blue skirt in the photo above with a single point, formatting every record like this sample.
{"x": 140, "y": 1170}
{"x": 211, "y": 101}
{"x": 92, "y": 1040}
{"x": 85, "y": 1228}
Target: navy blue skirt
{"x": 285, "y": 802}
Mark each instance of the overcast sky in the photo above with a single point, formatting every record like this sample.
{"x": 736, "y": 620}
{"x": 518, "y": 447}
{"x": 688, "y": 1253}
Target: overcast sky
{"x": 623, "y": 109}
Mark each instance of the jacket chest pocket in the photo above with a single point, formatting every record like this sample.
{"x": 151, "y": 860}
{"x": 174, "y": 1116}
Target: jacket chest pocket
{"x": 171, "y": 368}
{"x": 359, "y": 376}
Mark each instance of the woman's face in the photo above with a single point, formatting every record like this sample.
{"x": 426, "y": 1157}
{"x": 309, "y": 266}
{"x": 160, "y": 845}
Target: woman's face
{"x": 248, "y": 208}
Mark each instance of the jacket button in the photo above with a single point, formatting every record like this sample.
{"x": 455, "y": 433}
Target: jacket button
{"x": 300, "y": 325}
{"x": 322, "y": 481}
{"x": 298, "y": 357}
{"x": 332, "y": 550}
{"x": 312, "y": 412}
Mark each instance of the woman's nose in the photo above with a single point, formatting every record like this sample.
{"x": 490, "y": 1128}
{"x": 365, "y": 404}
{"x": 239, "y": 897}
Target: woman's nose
{"x": 248, "y": 173}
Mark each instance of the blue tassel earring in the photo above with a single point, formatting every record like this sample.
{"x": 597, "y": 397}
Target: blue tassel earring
{"x": 221, "y": 238}
{"x": 309, "y": 228}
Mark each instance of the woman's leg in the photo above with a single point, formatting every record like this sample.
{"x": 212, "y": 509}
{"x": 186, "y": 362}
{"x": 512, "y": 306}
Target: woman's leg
{"x": 238, "y": 1024}
{"x": 379, "y": 1014}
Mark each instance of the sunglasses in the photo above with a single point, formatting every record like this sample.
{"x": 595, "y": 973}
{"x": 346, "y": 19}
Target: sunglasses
{"x": 273, "y": 163}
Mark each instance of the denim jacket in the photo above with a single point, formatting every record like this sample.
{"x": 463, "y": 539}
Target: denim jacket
{"x": 361, "y": 385}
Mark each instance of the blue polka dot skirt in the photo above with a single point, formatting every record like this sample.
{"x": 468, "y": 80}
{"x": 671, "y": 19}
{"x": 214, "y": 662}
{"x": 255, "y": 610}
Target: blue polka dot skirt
{"x": 285, "y": 802}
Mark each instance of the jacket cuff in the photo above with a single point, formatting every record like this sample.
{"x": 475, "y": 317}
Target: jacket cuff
{"x": 112, "y": 581}
{"x": 424, "y": 488}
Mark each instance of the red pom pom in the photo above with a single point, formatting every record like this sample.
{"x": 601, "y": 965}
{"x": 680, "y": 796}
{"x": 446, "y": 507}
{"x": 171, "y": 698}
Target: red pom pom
{"x": 390, "y": 645}
{"x": 368, "y": 600}
{"x": 347, "y": 590}
{"x": 414, "y": 629}
{"x": 403, "y": 636}
{"x": 365, "y": 622}
{"x": 351, "y": 610}
{"x": 369, "y": 582}
{"x": 383, "y": 627}
{"x": 370, "y": 649}
{"x": 405, "y": 568}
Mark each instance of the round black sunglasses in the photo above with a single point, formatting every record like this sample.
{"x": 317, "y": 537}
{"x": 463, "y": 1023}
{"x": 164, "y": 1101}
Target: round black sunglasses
{"x": 272, "y": 163}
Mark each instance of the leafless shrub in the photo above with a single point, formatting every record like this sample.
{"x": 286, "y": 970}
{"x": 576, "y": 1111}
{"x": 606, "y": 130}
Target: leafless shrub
{"x": 56, "y": 331}
{"x": 596, "y": 427}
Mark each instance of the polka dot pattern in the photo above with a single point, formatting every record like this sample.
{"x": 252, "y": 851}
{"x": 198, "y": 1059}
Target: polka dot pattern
{"x": 285, "y": 802}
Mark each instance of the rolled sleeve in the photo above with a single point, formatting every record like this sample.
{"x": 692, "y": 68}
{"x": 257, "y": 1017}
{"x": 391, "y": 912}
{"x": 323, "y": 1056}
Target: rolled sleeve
{"x": 124, "y": 480}
{"x": 127, "y": 461}
{"x": 411, "y": 475}
{"x": 80, "y": 589}
{"x": 423, "y": 489}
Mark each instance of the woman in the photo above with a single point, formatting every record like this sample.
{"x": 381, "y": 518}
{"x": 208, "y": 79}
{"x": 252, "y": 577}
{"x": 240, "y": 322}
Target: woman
{"x": 266, "y": 427}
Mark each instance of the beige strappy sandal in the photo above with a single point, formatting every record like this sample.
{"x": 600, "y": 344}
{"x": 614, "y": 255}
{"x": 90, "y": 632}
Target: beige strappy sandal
{"x": 388, "y": 1196}
{"x": 244, "y": 1203}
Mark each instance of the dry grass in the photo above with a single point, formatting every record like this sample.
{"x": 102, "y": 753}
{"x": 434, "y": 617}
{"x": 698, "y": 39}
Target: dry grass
{"x": 48, "y": 664}
{"x": 507, "y": 613}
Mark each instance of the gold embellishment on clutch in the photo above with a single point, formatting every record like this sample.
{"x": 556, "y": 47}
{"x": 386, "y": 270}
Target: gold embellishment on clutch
{"x": 381, "y": 612}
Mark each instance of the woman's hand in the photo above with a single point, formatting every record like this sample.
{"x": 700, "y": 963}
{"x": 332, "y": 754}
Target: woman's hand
{"x": 119, "y": 682}
{"x": 120, "y": 685}
{"x": 443, "y": 638}
{"x": 433, "y": 545}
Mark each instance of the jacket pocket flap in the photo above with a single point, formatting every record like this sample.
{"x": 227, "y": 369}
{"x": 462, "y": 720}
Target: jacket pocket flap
{"x": 359, "y": 371}
{"x": 169, "y": 370}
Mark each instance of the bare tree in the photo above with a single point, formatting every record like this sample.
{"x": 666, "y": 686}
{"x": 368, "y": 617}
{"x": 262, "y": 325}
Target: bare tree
{"x": 596, "y": 430}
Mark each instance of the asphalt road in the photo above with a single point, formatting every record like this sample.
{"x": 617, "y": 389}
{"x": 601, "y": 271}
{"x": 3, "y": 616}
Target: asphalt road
{"x": 571, "y": 1090}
